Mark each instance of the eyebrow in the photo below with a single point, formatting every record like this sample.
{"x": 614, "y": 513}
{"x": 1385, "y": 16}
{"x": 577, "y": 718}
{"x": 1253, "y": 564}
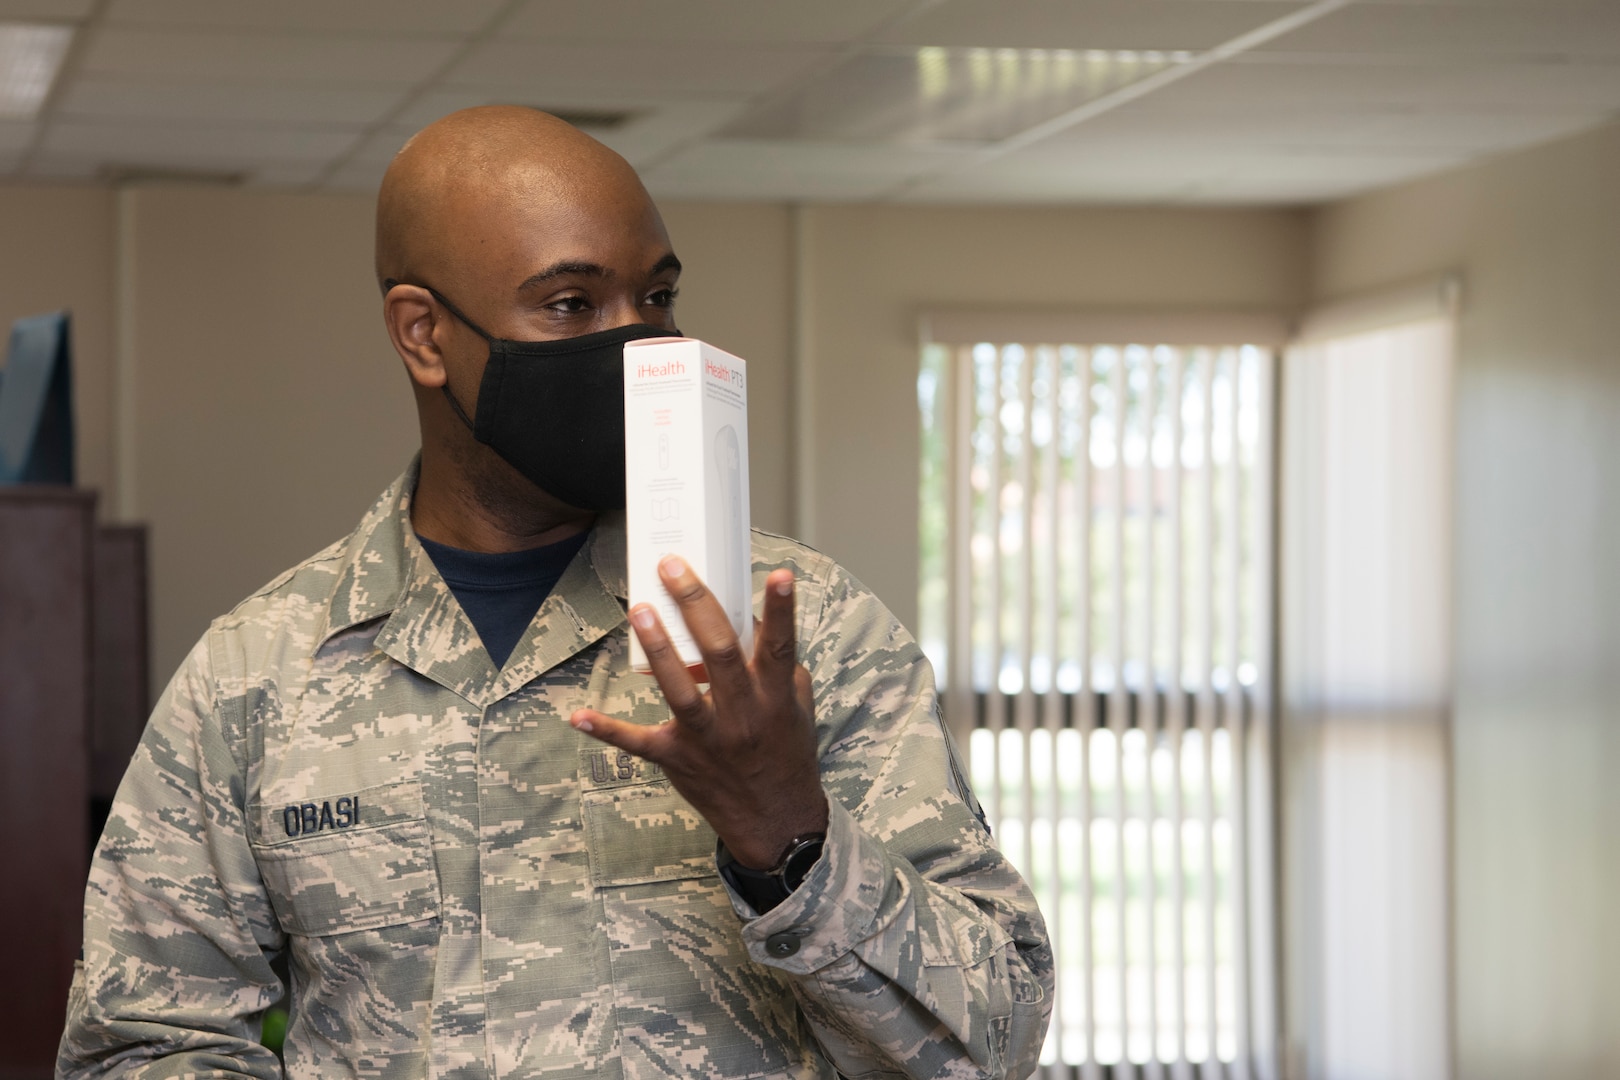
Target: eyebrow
{"x": 570, "y": 267}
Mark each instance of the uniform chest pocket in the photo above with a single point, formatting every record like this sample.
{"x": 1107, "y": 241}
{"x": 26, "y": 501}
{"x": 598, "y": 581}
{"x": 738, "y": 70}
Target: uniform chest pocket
{"x": 364, "y": 866}
{"x": 641, "y": 833}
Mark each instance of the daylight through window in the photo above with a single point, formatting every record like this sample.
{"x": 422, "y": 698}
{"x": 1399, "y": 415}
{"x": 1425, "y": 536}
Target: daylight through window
{"x": 1096, "y": 598}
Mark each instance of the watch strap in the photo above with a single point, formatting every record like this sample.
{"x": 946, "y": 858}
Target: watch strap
{"x": 764, "y": 889}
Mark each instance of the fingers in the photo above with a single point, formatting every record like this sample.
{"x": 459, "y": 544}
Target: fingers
{"x": 804, "y": 690}
{"x": 648, "y": 743}
{"x": 775, "y": 644}
{"x": 710, "y": 628}
{"x": 674, "y": 679}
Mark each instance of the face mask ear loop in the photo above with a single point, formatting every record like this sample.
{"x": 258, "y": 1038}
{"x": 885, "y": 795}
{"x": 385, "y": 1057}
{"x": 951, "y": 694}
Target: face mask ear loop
{"x": 475, "y": 328}
{"x": 456, "y": 407}
{"x": 452, "y": 309}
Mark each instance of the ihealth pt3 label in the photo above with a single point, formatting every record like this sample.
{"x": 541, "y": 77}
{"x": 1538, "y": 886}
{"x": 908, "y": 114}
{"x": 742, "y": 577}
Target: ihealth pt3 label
{"x": 686, "y": 479}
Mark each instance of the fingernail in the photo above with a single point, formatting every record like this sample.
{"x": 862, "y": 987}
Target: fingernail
{"x": 581, "y": 723}
{"x": 673, "y": 566}
{"x": 642, "y": 616}
{"x": 784, "y": 588}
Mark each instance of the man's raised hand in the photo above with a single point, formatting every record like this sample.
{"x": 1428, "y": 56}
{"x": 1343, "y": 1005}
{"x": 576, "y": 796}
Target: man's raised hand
{"x": 744, "y": 753}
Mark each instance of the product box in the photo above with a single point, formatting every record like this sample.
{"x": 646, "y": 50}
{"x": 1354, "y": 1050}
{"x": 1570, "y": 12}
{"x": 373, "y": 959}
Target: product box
{"x": 686, "y": 480}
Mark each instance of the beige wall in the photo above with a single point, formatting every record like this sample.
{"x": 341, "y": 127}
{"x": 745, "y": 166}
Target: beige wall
{"x": 736, "y": 292}
{"x": 270, "y": 408}
{"x": 1536, "y": 583}
{"x": 56, "y": 251}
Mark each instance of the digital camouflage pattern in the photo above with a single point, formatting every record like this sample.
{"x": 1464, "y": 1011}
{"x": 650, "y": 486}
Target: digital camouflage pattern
{"x": 468, "y": 887}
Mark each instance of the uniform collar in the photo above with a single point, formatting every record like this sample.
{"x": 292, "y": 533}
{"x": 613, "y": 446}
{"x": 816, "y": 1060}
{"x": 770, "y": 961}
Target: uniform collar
{"x": 386, "y": 574}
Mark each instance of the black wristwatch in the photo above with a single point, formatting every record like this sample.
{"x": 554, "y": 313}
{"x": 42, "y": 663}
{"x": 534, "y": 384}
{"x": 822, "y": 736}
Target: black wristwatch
{"x": 764, "y": 889}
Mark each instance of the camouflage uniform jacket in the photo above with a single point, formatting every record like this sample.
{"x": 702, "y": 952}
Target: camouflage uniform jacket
{"x": 468, "y": 887}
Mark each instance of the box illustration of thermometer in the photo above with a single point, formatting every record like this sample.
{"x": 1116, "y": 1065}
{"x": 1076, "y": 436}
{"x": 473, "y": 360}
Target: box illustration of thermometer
{"x": 686, "y": 480}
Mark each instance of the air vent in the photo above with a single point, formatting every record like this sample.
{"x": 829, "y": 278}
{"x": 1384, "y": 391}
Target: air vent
{"x": 594, "y": 119}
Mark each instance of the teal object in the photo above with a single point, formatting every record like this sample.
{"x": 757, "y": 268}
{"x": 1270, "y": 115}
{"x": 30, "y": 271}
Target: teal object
{"x": 36, "y": 402}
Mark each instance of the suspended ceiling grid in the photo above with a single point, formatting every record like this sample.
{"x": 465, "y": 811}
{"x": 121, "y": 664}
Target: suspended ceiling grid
{"x": 1004, "y": 101}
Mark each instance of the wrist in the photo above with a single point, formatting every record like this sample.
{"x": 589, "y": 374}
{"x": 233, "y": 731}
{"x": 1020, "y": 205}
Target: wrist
{"x": 763, "y": 846}
{"x": 764, "y": 889}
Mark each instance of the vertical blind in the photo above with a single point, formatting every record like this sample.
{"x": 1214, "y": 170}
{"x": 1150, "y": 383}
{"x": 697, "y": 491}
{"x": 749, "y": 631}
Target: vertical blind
{"x": 1366, "y": 630}
{"x": 1096, "y": 527}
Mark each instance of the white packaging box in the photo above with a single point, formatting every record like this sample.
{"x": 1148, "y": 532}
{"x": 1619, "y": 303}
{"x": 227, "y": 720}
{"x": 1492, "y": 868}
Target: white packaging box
{"x": 686, "y": 481}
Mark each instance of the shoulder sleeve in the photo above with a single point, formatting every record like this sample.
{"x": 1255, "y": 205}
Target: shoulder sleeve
{"x": 178, "y": 931}
{"x": 915, "y": 949}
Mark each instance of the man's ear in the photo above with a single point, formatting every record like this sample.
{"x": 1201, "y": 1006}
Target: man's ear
{"x": 412, "y": 317}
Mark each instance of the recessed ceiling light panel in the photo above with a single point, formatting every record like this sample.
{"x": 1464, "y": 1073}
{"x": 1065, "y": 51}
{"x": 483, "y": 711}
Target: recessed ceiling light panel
{"x": 949, "y": 95}
{"x": 30, "y": 56}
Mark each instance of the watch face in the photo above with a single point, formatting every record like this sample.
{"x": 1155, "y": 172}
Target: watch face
{"x": 800, "y": 861}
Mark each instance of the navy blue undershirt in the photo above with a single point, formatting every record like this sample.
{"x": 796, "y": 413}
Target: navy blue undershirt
{"x": 501, "y": 591}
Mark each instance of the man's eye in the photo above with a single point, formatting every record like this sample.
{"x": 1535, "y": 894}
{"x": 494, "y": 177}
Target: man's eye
{"x": 570, "y": 305}
{"x": 664, "y": 298}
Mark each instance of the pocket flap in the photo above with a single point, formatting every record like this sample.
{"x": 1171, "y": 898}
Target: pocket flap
{"x": 376, "y": 870}
{"x": 646, "y": 832}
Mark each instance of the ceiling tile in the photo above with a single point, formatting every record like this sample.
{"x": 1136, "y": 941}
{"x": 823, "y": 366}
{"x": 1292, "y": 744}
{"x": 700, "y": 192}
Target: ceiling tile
{"x": 255, "y": 57}
{"x": 15, "y": 135}
{"x": 1339, "y": 129}
{"x": 767, "y": 158}
{"x": 712, "y": 21}
{"x": 656, "y": 122}
{"x": 758, "y": 169}
{"x": 1379, "y": 92}
{"x": 429, "y": 106}
{"x": 1049, "y": 189}
{"x": 696, "y": 188}
{"x": 438, "y": 101}
{"x": 378, "y": 147}
{"x": 356, "y": 176}
{"x": 393, "y": 17}
{"x": 1095, "y": 24}
{"x": 539, "y": 72}
{"x": 655, "y": 133}
{"x": 96, "y": 97}
{"x": 1146, "y": 170}
{"x": 1477, "y": 4}
{"x": 287, "y": 174}
{"x": 1303, "y": 179}
{"x": 1066, "y": 174}
{"x": 1434, "y": 32}
{"x": 1269, "y": 82}
{"x": 46, "y": 9}
{"x": 228, "y": 146}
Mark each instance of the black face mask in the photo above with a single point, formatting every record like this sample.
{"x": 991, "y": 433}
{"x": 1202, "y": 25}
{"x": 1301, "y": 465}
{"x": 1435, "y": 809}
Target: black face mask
{"x": 555, "y": 409}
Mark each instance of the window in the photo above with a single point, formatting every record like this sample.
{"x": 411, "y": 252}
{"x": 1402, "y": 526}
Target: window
{"x": 1096, "y": 587}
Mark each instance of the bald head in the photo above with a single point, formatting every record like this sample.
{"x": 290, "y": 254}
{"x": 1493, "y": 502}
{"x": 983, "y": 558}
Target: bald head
{"x": 467, "y": 178}
{"x": 505, "y": 223}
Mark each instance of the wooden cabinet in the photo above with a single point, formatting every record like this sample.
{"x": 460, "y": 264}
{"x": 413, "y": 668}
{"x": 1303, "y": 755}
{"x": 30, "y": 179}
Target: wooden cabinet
{"x": 73, "y": 697}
